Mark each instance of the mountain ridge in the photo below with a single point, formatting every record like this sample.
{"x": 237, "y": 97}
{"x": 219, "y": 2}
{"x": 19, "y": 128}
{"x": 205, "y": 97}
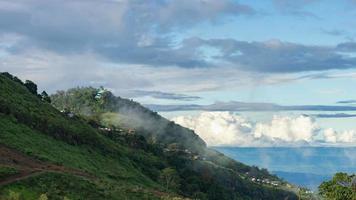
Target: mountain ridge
{"x": 125, "y": 161}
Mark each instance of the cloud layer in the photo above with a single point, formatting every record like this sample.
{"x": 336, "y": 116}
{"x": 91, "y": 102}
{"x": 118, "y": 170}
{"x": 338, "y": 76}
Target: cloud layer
{"x": 155, "y": 49}
{"x": 145, "y": 33}
{"x": 227, "y": 129}
{"x": 253, "y": 106}
{"x": 124, "y": 31}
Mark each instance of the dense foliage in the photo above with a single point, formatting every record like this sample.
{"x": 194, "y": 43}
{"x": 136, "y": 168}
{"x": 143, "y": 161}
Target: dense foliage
{"x": 124, "y": 161}
{"x": 341, "y": 187}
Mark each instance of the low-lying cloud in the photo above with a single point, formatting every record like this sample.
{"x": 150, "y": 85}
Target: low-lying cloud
{"x": 228, "y": 129}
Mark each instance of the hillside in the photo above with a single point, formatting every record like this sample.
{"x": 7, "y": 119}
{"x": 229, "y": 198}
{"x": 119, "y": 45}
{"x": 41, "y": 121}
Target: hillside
{"x": 85, "y": 152}
{"x": 101, "y": 105}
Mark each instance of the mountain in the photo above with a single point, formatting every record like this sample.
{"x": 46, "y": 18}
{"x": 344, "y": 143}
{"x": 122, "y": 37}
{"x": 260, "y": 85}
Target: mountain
{"x": 89, "y": 144}
{"x": 101, "y": 105}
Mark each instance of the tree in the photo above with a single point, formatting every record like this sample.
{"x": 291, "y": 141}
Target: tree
{"x": 341, "y": 187}
{"x": 45, "y": 97}
{"x": 169, "y": 178}
{"x": 13, "y": 195}
{"x": 31, "y": 86}
{"x": 43, "y": 197}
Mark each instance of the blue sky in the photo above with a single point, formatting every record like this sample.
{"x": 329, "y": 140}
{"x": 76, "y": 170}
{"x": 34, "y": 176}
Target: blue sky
{"x": 330, "y": 24}
{"x": 164, "y": 51}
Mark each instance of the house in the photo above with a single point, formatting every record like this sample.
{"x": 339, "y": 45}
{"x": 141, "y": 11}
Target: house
{"x": 131, "y": 131}
{"x": 196, "y": 157}
{"x": 100, "y": 93}
{"x": 275, "y": 183}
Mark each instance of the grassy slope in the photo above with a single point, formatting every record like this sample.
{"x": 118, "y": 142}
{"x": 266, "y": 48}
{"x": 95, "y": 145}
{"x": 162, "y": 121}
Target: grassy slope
{"x": 117, "y": 175}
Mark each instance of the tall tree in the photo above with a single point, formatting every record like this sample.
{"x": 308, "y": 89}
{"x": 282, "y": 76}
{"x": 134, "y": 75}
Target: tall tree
{"x": 31, "y": 86}
{"x": 170, "y": 178}
{"x": 45, "y": 97}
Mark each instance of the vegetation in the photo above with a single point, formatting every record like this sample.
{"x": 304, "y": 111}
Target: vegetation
{"x": 7, "y": 171}
{"x": 80, "y": 151}
{"x": 101, "y": 105}
{"x": 341, "y": 187}
{"x": 169, "y": 178}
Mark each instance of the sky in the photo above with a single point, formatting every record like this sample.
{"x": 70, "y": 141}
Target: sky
{"x": 205, "y": 53}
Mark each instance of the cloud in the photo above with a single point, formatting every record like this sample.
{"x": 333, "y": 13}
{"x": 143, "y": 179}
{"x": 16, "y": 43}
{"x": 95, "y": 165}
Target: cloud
{"x": 138, "y": 32}
{"x": 295, "y": 8}
{"x": 133, "y": 45}
{"x": 227, "y": 129}
{"x": 347, "y": 47}
{"x": 334, "y": 32}
{"x": 219, "y": 128}
{"x": 52, "y": 71}
{"x": 144, "y": 33}
{"x": 247, "y": 106}
{"x": 336, "y": 115}
{"x": 347, "y": 101}
{"x": 301, "y": 128}
{"x": 332, "y": 136}
{"x": 275, "y": 56}
{"x": 163, "y": 95}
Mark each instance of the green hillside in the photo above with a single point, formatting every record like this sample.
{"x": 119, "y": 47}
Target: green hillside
{"x": 104, "y": 147}
{"x": 101, "y": 105}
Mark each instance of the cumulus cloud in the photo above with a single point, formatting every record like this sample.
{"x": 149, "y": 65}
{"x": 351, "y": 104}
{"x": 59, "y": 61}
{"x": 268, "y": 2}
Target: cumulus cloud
{"x": 227, "y": 129}
{"x": 219, "y": 128}
{"x": 288, "y": 129}
{"x": 332, "y": 136}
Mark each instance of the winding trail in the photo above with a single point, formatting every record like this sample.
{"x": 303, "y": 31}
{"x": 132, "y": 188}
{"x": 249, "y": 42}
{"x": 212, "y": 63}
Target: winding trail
{"x": 28, "y": 167}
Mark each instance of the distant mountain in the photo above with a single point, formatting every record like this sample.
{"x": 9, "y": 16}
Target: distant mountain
{"x": 98, "y": 146}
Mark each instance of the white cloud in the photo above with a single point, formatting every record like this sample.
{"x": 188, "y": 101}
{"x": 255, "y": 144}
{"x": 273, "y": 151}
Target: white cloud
{"x": 330, "y": 135}
{"x": 227, "y": 129}
{"x": 288, "y": 129}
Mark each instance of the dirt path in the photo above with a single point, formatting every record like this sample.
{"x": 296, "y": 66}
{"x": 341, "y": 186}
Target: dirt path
{"x": 28, "y": 166}
{"x": 18, "y": 177}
